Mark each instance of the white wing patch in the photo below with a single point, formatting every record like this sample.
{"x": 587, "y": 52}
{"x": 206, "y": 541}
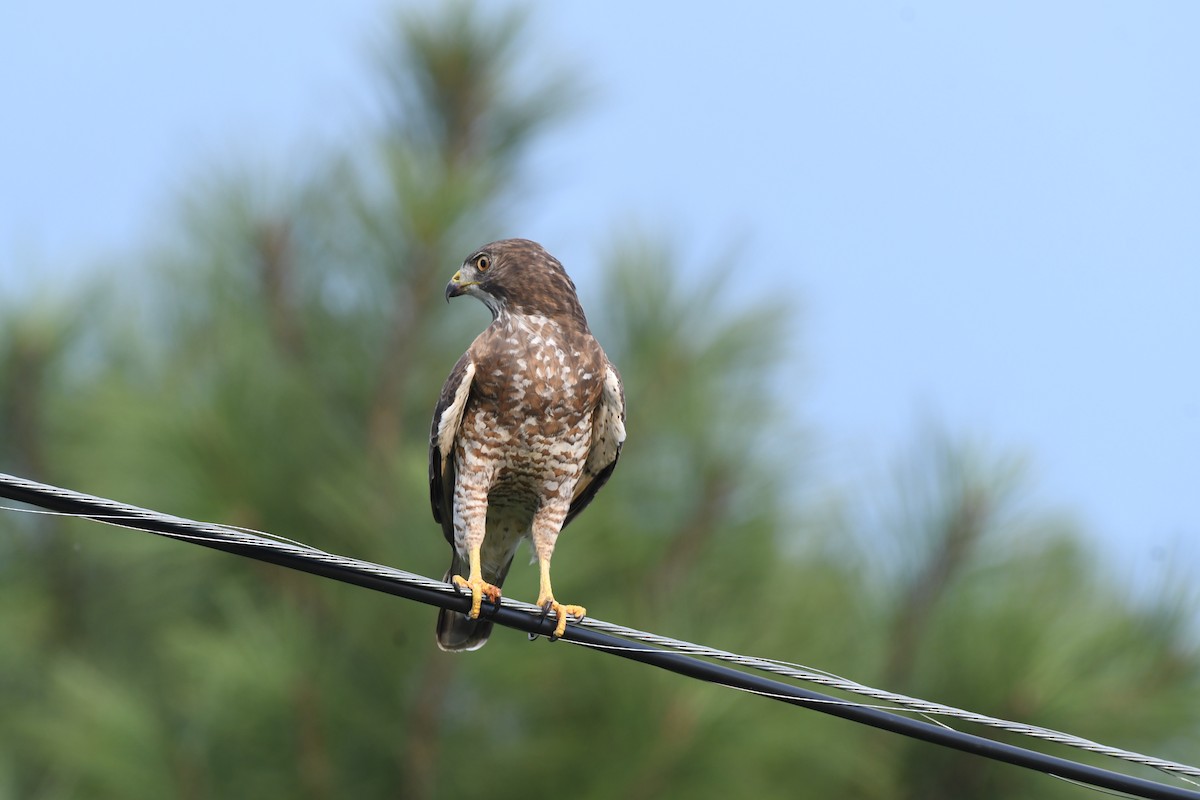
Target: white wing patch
{"x": 448, "y": 424}
{"x": 608, "y": 430}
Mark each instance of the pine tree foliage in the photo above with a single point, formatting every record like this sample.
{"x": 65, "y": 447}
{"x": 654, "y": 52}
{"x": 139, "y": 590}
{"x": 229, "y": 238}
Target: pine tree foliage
{"x": 278, "y": 372}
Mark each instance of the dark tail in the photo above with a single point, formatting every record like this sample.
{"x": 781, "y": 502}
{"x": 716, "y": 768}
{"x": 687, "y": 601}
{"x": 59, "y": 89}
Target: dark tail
{"x": 457, "y": 632}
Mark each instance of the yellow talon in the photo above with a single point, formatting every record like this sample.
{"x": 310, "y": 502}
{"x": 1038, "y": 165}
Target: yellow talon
{"x": 561, "y": 612}
{"x": 546, "y": 600}
{"x": 479, "y": 588}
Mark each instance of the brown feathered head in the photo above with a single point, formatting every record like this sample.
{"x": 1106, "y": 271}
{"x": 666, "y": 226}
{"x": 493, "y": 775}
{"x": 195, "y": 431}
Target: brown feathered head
{"x": 517, "y": 276}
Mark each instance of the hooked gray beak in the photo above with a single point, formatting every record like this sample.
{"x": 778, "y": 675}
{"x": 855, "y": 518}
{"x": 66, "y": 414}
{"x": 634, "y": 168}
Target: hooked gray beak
{"x": 458, "y": 286}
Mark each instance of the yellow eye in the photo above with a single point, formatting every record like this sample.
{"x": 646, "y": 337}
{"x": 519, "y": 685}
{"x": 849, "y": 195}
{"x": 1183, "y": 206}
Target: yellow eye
{"x": 482, "y": 263}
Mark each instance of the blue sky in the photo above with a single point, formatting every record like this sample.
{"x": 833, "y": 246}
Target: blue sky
{"x": 987, "y": 213}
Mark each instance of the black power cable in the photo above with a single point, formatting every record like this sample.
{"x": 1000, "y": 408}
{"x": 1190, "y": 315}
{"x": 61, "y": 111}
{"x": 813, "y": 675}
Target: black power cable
{"x": 373, "y": 576}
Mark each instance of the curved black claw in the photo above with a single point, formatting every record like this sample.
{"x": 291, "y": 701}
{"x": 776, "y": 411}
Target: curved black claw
{"x": 488, "y": 609}
{"x": 545, "y": 613}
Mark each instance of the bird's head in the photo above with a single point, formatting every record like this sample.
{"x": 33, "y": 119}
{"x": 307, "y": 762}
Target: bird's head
{"x": 517, "y": 276}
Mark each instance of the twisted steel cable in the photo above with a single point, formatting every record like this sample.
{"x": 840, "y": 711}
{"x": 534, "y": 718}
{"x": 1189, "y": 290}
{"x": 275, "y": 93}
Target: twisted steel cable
{"x": 663, "y": 651}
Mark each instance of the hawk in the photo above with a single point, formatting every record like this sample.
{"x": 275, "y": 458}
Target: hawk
{"x": 528, "y": 427}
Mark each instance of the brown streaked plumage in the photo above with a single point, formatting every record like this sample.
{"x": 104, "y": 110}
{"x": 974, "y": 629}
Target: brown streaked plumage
{"x": 528, "y": 427}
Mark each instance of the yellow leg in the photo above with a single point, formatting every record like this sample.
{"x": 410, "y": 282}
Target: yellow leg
{"x": 478, "y": 586}
{"x": 546, "y": 600}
